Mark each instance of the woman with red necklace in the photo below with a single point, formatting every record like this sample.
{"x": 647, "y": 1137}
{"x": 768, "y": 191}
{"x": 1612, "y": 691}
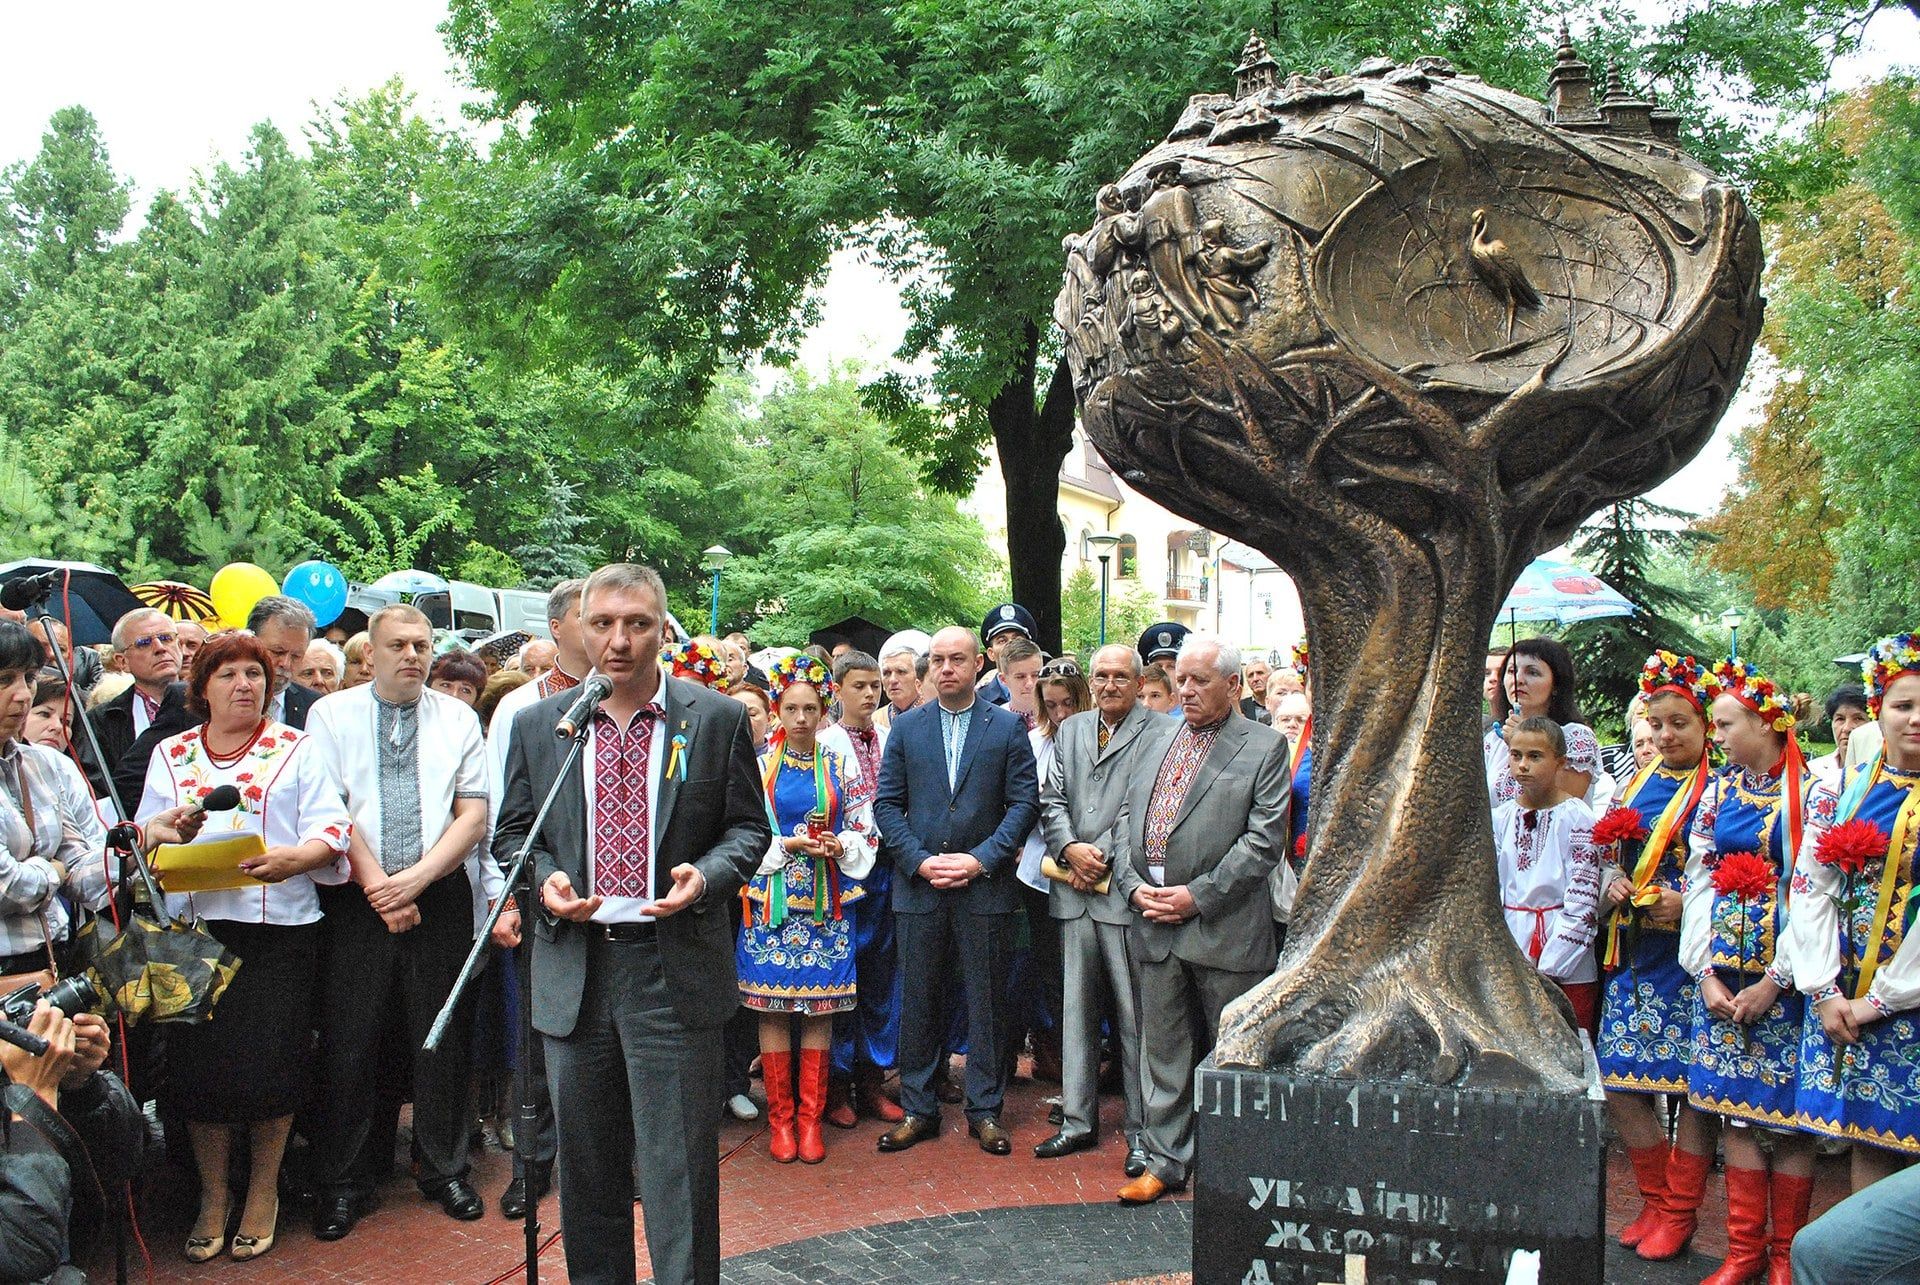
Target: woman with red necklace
{"x": 240, "y": 1073}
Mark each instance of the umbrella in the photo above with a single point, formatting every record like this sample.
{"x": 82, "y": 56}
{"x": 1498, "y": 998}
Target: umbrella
{"x": 179, "y": 601}
{"x": 503, "y": 646}
{"x": 1562, "y": 593}
{"x": 858, "y": 630}
{"x": 85, "y": 598}
{"x": 410, "y": 582}
{"x": 159, "y": 972}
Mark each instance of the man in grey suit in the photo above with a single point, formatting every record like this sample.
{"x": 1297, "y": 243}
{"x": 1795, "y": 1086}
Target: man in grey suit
{"x": 1095, "y": 759}
{"x": 1200, "y": 832}
{"x": 655, "y": 829}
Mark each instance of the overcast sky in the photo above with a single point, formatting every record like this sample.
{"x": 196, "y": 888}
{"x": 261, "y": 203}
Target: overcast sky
{"x": 176, "y": 84}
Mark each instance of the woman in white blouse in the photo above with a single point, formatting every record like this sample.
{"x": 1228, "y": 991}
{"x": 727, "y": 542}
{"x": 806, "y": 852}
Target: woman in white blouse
{"x": 242, "y": 1071}
{"x": 1538, "y": 682}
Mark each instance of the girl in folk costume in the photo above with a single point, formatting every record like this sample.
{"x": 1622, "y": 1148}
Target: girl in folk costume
{"x": 1854, "y": 949}
{"x": 796, "y": 950}
{"x": 1549, "y": 869}
{"x": 1646, "y": 1015}
{"x": 698, "y": 660}
{"x": 1747, "y": 1019}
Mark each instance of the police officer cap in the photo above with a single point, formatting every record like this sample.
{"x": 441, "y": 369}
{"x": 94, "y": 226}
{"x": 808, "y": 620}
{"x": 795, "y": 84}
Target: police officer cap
{"x": 1008, "y": 615}
{"x": 1162, "y": 640}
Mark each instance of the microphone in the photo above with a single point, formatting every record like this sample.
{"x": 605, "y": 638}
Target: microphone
{"x": 592, "y": 692}
{"x": 223, "y": 798}
{"x": 21, "y": 593}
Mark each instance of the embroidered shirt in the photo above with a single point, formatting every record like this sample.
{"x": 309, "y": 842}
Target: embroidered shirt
{"x": 1189, "y": 750}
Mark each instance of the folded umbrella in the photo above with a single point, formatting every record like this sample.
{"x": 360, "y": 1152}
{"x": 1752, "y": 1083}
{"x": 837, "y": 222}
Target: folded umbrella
{"x": 153, "y": 972}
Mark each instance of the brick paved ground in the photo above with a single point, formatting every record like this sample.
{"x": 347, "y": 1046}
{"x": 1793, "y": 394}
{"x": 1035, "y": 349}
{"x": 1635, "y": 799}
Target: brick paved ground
{"x": 918, "y": 1211}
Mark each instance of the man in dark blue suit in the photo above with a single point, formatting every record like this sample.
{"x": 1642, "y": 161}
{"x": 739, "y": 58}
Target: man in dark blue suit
{"x": 958, "y": 793}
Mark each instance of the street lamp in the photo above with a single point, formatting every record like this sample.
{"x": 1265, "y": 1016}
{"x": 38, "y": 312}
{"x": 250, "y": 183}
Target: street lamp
{"x": 1731, "y": 619}
{"x": 712, "y": 560}
{"x": 1103, "y": 547}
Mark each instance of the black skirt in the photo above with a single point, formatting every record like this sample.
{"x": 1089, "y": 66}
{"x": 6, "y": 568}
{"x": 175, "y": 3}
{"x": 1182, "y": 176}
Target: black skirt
{"x": 250, "y": 1062}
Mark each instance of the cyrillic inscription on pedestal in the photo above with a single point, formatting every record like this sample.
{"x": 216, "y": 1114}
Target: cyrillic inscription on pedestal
{"x": 1303, "y": 1181}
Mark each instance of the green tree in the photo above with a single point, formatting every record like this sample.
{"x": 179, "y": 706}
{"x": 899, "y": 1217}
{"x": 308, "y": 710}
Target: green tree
{"x": 831, "y": 520}
{"x": 61, "y": 209}
{"x": 1624, "y": 547}
{"x": 1130, "y": 609}
{"x": 672, "y": 178}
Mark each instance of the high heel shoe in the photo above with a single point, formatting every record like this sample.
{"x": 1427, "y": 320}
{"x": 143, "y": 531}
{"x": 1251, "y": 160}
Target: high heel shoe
{"x": 249, "y": 1247}
{"x": 202, "y": 1249}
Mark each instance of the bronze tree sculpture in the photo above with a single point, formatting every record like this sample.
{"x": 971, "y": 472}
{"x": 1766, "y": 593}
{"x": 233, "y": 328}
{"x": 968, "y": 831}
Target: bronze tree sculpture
{"x": 1401, "y": 331}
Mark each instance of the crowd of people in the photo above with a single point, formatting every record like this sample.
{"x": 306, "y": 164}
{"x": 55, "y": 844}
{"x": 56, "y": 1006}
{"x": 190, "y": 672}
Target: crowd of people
{"x": 1731, "y": 921}
{"x": 841, "y": 870}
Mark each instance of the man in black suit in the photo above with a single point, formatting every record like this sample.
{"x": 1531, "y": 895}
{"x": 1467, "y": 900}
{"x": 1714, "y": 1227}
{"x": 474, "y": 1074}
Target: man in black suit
{"x": 148, "y": 645}
{"x": 654, "y": 832}
{"x": 958, "y": 793}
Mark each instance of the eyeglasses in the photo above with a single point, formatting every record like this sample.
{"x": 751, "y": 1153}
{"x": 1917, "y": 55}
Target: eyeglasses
{"x": 1064, "y": 667}
{"x": 141, "y": 644}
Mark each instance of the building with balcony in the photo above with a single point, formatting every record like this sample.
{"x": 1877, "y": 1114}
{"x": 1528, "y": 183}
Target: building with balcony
{"x": 1203, "y": 580}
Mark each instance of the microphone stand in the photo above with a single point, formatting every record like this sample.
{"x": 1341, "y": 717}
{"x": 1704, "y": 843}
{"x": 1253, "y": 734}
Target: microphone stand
{"x": 519, "y": 885}
{"x": 154, "y": 896}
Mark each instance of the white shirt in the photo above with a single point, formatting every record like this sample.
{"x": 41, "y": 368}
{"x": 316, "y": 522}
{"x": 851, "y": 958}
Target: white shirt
{"x": 1550, "y": 884}
{"x": 286, "y": 797}
{"x": 65, "y": 829}
{"x": 626, "y": 910}
{"x": 488, "y": 875}
{"x": 1028, "y": 871}
{"x": 451, "y": 758}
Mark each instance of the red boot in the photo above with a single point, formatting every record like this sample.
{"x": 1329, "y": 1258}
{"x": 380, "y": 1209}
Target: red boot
{"x": 1790, "y": 1198}
{"x": 813, "y": 1104}
{"x": 1650, "y": 1175}
{"x": 871, "y": 1097}
{"x": 1746, "y": 1229}
{"x": 840, "y": 1112}
{"x": 1679, "y": 1213}
{"x": 776, "y": 1070}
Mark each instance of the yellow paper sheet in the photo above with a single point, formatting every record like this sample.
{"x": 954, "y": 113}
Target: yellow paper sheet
{"x": 209, "y": 866}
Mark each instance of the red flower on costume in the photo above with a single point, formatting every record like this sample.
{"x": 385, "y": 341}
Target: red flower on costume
{"x": 1850, "y": 845}
{"x": 177, "y": 752}
{"x": 1743, "y": 875}
{"x": 1617, "y": 825}
{"x": 255, "y": 793}
{"x": 1300, "y": 845}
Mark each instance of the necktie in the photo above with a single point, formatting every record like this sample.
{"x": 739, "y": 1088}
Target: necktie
{"x": 1106, "y": 735}
{"x": 622, "y": 826}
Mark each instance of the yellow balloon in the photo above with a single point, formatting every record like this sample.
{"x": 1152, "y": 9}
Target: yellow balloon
{"x": 236, "y": 588}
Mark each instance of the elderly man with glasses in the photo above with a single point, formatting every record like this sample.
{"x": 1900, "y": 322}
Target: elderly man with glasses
{"x": 148, "y": 644}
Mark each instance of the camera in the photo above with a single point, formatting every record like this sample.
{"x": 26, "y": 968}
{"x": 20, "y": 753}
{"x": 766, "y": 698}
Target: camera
{"x": 72, "y": 996}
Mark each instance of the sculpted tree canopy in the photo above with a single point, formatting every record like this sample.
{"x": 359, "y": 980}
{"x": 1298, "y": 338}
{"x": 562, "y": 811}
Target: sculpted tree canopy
{"x": 1401, "y": 331}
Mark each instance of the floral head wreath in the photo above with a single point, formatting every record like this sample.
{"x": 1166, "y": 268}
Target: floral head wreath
{"x": 1738, "y": 679}
{"x": 1682, "y": 675}
{"x": 696, "y": 660}
{"x": 1887, "y": 660}
{"x": 799, "y": 668}
{"x": 1300, "y": 658}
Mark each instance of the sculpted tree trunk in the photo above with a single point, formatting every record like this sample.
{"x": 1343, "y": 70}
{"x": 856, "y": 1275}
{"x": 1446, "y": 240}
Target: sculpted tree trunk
{"x": 1401, "y": 331}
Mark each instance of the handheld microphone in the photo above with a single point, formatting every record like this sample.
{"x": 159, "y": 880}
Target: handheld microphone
{"x": 21, "y": 593}
{"x": 596, "y": 689}
{"x": 223, "y": 798}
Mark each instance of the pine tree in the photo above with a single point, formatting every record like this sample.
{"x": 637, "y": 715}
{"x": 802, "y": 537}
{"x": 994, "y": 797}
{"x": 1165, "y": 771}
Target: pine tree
{"x": 1623, "y": 548}
{"x": 555, "y": 553}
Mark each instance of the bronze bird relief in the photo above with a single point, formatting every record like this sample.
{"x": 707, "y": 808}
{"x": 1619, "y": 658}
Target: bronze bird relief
{"x": 1494, "y": 264}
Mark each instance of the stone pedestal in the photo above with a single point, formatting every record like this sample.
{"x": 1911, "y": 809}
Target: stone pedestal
{"x": 1305, "y": 1181}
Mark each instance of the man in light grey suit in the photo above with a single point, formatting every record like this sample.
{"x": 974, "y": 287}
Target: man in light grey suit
{"x": 654, "y": 831}
{"x": 1200, "y": 832}
{"x": 1095, "y": 759}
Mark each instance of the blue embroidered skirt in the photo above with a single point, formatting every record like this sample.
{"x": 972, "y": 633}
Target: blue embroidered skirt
{"x": 1870, "y": 1091}
{"x": 1748, "y": 1072}
{"x": 798, "y": 966}
{"x": 1646, "y": 1019}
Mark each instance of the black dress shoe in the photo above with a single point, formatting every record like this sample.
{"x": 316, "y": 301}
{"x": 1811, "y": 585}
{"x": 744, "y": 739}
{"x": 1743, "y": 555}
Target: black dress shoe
{"x": 994, "y": 1140}
{"x": 1136, "y": 1161}
{"x": 335, "y": 1216}
{"x": 910, "y": 1131}
{"x": 458, "y": 1199}
{"x": 1065, "y": 1144}
{"x": 514, "y": 1200}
